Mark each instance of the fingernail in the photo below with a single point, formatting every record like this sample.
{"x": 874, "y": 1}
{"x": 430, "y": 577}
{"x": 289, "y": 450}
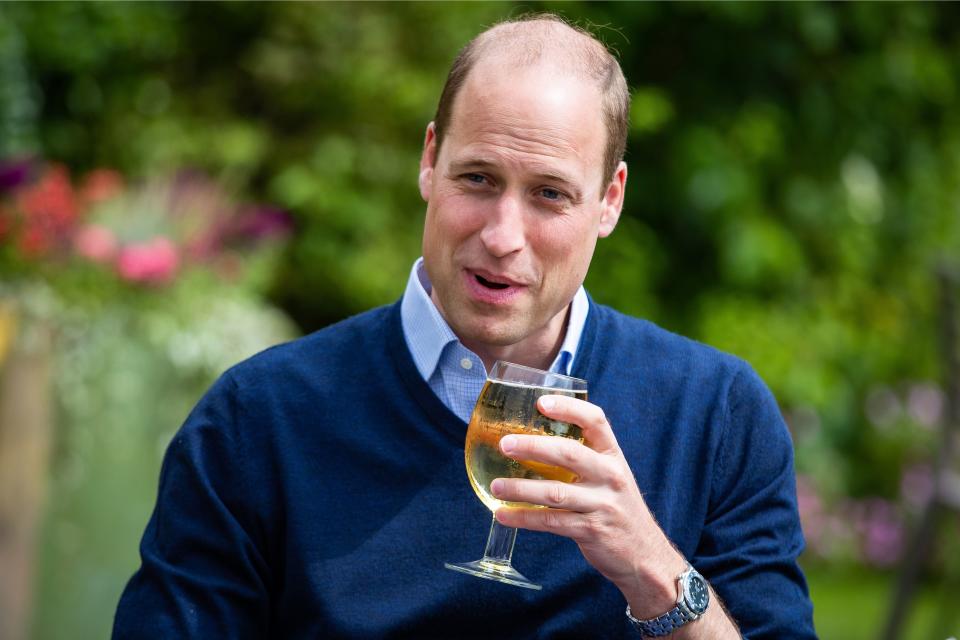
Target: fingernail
{"x": 507, "y": 443}
{"x": 547, "y": 402}
{"x": 495, "y": 486}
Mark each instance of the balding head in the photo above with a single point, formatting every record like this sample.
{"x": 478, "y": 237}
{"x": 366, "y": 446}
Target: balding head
{"x": 546, "y": 40}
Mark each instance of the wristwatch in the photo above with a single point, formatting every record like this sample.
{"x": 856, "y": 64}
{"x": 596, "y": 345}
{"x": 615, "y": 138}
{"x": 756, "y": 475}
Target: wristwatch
{"x": 691, "y": 604}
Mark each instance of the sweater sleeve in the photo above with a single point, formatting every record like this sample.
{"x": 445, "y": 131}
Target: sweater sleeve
{"x": 201, "y": 573}
{"x": 752, "y": 536}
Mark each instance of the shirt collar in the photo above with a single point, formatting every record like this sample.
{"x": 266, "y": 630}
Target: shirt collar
{"x": 425, "y": 330}
{"x": 427, "y": 333}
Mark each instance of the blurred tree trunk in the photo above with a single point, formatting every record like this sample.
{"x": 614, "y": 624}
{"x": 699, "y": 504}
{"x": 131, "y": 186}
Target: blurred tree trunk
{"x": 25, "y": 442}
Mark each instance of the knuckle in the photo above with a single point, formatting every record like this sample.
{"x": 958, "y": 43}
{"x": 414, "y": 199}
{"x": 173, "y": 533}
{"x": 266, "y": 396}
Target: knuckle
{"x": 619, "y": 481}
{"x": 581, "y": 530}
{"x": 552, "y": 519}
{"x": 557, "y": 494}
{"x": 569, "y": 453}
{"x": 619, "y": 478}
{"x": 593, "y": 527}
{"x": 599, "y": 417}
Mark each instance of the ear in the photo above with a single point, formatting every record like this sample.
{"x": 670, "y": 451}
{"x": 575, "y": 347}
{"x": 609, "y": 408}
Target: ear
{"x": 613, "y": 201}
{"x": 427, "y": 161}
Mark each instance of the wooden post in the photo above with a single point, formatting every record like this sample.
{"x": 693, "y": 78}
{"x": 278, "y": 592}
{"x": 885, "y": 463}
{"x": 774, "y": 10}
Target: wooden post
{"x": 26, "y": 429}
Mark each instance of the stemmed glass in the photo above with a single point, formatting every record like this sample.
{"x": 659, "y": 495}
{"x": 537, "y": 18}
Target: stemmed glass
{"x": 508, "y": 404}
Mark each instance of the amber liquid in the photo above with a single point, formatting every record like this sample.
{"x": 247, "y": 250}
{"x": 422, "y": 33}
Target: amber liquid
{"x": 505, "y": 408}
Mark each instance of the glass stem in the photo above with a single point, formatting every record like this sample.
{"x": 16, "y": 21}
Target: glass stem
{"x": 500, "y": 543}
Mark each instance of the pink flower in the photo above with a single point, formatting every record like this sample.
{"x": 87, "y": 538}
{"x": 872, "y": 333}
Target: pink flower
{"x": 808, "y": 502}
{"x": 881, "y": 532}
{"x": 813, "y": 515}
{"x": 47, "y": 210}
{"x": 96, "y": 243}
{"x": 33, "y": 242}
{"x": 152, "y": 262}
{"x": 50, "y": 201}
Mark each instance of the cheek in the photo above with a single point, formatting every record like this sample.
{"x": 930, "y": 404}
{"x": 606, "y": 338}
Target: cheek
{"x": 448, "y": 225}
{"x": 433, "y": 234}
{"x": 565, "y": 240}
{"x": 455, "y": 218}
{"x": 566, "y": 250}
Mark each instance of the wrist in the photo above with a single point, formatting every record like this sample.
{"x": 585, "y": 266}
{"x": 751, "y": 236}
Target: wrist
{"x": 691, "y": 604}
{"x": 651, "y": 589}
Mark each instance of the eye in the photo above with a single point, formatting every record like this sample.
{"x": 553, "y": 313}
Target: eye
{"x": 475, "y": 178}
{"x": 551, "y": 194}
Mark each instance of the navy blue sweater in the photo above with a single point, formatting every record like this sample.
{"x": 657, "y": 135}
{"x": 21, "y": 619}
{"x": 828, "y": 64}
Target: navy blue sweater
{"x": 318, "y": 488}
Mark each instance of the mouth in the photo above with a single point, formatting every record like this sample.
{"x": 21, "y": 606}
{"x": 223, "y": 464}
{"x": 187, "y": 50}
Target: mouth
{"x": 489, "y": 288}
{"x": 490, "y": 284}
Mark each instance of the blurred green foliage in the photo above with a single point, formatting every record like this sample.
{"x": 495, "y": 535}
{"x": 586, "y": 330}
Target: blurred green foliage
{"x": 126, "y": 378}
{"x": 850, "y": 604}
{"x": 794, "y": 170}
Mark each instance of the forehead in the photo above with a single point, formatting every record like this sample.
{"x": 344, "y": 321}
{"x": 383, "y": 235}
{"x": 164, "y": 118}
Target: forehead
{"x": 534, "y": 114}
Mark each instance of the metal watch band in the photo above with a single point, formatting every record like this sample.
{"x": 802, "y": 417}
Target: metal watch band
{"x": 663, "y": 625}
{"x": 672, "y": 620}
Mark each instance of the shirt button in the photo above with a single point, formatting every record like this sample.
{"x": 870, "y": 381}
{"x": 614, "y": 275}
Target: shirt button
{"x": 466, "y": 363}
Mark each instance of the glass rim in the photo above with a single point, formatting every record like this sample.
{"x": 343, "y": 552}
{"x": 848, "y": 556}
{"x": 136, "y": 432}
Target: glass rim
{"x": 576, "y": 384}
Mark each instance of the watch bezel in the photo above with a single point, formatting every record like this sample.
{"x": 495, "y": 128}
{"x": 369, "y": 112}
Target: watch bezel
{"x": 687, "y": 600}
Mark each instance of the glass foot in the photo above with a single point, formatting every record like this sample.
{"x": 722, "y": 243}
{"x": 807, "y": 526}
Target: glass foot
{"x": 494, "y": 571}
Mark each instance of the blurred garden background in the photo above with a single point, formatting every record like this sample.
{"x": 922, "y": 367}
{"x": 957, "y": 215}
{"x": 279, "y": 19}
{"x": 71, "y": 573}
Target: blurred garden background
{"x": 184, "y": 184}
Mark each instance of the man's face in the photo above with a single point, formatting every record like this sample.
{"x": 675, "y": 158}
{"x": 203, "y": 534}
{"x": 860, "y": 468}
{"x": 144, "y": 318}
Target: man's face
{"x": 516, "y": 199}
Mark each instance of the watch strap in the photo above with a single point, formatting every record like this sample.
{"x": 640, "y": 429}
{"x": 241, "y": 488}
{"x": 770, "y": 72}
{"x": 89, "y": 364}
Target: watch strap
{"x": 662, "y": 625}
{"x": 672, "y": 620}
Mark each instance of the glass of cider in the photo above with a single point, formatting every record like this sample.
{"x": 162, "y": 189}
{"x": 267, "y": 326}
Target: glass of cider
{"x": 508, "y": 404}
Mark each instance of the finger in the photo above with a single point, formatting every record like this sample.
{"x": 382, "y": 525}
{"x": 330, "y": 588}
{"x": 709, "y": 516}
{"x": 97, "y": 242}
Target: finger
{"x": 563, "y": 523}
{"x": 548, "y": 493}
{"x": 559, "y": 452}
{"x": 589, "y": 417}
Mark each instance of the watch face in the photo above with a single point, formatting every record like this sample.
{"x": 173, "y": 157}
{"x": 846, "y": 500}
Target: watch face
{"x": 697, "y": 593}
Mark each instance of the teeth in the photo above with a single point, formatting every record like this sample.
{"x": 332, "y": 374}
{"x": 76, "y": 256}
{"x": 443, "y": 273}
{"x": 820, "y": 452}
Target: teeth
{"x": 491, "y": 285}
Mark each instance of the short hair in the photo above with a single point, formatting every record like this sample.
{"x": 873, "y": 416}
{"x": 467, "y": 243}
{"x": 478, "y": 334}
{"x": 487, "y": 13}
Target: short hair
{"x": 527, "y": 38}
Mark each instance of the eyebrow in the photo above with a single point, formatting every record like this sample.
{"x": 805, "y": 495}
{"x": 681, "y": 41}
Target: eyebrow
{"x": 458, "y": 166}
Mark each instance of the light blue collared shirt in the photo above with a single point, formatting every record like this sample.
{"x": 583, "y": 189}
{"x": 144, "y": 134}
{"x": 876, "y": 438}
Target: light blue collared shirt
{"x": 455, "y": 373}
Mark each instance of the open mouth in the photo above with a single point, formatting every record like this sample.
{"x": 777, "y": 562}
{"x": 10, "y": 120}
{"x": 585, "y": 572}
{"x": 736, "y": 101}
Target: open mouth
{"x": 489, "y": 284}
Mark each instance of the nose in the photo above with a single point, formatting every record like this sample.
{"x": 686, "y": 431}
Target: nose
{"x": 503, "y": 232}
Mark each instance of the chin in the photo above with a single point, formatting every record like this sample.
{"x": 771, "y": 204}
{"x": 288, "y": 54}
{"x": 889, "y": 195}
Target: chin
{"x": 496, "y": 335}
{"x": 485, "y": 327}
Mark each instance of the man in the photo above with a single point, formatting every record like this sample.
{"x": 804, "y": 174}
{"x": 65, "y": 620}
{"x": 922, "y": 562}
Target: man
{"x": 318, "y": 488}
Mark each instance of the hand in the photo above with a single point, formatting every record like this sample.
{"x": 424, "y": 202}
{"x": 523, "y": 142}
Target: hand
{"x": 603, "y": 511}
